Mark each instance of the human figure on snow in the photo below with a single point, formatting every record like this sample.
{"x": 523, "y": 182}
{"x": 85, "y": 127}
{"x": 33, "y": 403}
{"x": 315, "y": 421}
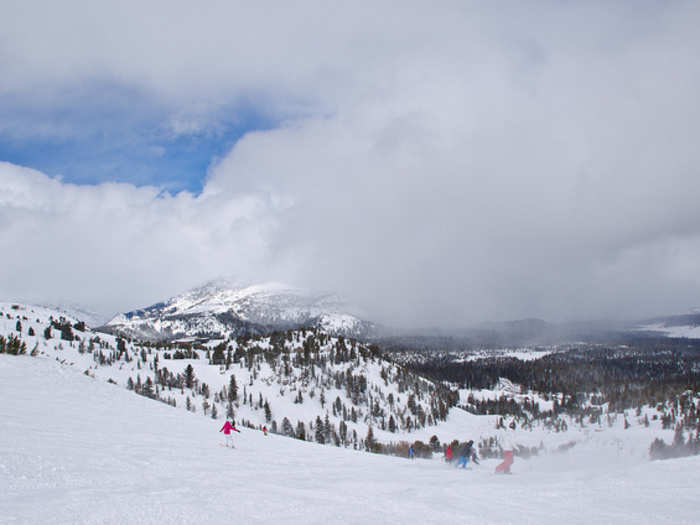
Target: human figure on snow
{"x": 410, "y": 452}
{"x": 504, "y": 467}
{"x": 508, "y": 453}
{"x": 448, "y": 454}
{"x": 264, "y": 429}
{"x": 466, "y": 453}
{"x": 226, "y": 429}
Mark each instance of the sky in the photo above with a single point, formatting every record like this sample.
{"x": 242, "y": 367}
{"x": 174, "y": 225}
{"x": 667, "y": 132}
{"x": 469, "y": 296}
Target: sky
{"x": 438, "y": 165}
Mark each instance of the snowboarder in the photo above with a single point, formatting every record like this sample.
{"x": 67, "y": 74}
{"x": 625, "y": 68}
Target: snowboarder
{"x": 466, "y": 453}
{"x": 448, "y": 454}
{"x": 226, "y": 429}
{"x": 410, "y": 452}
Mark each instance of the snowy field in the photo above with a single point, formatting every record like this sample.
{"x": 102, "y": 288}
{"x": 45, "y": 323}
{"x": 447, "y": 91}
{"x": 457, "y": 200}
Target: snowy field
{"x": 688, "y": 332}
{"x": 77, "y": 450}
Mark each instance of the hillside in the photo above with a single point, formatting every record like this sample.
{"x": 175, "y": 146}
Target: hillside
{"x": 301, "y": 383}
{"x": 316, "y": 386}
{"x": 77, "y": 450}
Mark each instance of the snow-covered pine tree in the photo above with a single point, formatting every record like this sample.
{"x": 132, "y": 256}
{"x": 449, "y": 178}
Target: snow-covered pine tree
{"x": 189, "y": 376}
{"x": 319, "y": 434}
{"x": 232, "y": 389}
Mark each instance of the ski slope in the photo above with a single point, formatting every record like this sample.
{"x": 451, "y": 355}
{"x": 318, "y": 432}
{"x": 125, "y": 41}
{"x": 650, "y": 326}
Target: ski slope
{"x": 77, "y": 450}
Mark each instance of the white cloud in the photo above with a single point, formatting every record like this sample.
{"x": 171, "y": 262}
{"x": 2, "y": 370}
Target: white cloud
{"x": 438, "y": 165}
{"x": 116, "y": 246}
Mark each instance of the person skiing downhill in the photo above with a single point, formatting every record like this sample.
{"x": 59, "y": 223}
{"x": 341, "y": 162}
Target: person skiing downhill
{"x": 410, "y": 452}
{"x": 504, "y": 467}
{"x": 508, "y": 453}
{"x": 226, "y": 429}
{"x": 448, "y": 454}
{"x": 465, "y": 454}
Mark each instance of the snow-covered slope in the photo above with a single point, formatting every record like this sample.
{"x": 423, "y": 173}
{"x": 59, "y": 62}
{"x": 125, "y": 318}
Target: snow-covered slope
{"x": 295, "y": 381}
{"x": 78, "y": 450}
{"x": 222, "y": 308}
{"x": 680, "y": 326}
{"x": 301, "y": 376}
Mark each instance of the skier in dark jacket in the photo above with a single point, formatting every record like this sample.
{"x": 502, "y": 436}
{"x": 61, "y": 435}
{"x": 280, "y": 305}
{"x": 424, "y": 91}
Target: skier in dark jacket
{"x": 466, "y": 453}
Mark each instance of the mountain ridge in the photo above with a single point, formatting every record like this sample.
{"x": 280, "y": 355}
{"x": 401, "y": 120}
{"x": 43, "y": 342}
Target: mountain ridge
{"x": 222, "y": 308}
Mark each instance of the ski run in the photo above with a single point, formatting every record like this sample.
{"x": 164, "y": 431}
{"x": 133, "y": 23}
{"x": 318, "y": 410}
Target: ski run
{"x": 76, "y": 446}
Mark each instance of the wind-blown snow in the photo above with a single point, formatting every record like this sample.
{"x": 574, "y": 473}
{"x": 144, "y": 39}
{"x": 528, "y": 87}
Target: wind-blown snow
{"x": 77, "y": 450}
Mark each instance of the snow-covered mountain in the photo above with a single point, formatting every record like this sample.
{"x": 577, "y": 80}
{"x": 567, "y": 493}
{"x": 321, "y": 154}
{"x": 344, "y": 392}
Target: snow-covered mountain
{"x": 72, "y": 427}
{"x": 288, "y": 380}
{"x": 680, "y": 326}
{"x": 222, "y": 308}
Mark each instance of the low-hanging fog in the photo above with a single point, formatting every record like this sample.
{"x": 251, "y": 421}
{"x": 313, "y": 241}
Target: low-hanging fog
{"x": 437, "y": 166}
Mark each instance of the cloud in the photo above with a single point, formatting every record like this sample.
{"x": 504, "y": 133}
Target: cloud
{"x": 113, "y": 245}
{"x": 437, "y": 166}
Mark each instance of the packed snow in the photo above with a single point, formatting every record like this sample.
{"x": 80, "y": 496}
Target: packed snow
{"x": 77, "y": 450}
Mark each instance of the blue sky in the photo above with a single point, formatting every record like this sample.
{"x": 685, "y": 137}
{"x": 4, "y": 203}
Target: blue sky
{"x": 121, "y": 137}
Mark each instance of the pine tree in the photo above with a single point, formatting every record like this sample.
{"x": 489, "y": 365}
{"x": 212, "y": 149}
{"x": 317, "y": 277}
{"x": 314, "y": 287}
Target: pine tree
{"x": 214, "y": 413}
{"x": 287, "y": 428}
{"x": 47, "y": 332}
{"x": 31, "y": 332}
{"x": 18, "y": 326}
{"x": 301, "y": 431}
{"x": 268, "y": 412}
{"x": 369, "y": 440}
{"x": 320, "y": 438}
{"x": 343, "y": 430}
{"x": 327, "y": 429}
{"x": 232, "y": 389}
{"x": 66, "y": 332}
{"x": 147, "y": 389}
{"x": 189, "y": 376}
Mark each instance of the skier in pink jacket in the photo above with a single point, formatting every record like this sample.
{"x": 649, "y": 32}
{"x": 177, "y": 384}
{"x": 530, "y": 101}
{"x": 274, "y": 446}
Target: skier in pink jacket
{"x": 226, "y": 429}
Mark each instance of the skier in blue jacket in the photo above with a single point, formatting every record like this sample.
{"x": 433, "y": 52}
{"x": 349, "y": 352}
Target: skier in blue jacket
{"x": 465, "y": 454}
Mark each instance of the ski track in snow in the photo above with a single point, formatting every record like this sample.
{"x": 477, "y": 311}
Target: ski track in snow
{"x": 77, "y": 450}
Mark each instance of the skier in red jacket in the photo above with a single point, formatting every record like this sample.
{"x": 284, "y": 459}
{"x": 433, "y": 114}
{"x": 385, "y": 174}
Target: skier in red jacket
{"x": 226, "y": 429}
{"x": 448, "y": 453}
